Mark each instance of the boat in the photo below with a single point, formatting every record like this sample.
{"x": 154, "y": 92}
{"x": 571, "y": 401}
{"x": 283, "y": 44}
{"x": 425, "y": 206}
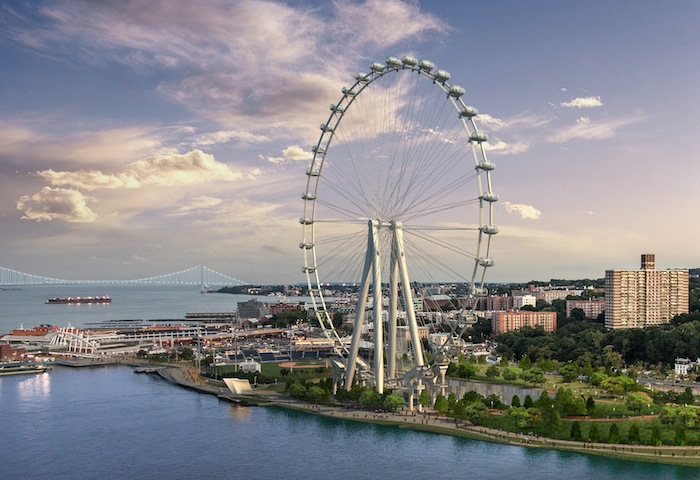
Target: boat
{"x": 77, "y": 300}
{"x": 15, "y": 369}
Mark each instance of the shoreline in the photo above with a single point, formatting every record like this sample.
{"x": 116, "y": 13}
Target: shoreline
{"x": 431, "y": 422}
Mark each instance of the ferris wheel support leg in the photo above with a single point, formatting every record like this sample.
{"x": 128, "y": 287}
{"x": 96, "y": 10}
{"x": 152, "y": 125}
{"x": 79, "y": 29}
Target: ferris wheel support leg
{"x": 359, "y": 315}
{"x": 408, "y": 298}
{"x": 393, "y": 311}
{"x": 378, "y": 309}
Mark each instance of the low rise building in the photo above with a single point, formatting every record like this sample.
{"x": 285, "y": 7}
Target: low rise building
{"x": 502, "y": 322}
{"x": 591, "y": 308}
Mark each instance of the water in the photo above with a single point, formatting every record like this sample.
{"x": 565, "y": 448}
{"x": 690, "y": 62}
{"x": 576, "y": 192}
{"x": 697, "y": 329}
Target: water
{"x": 26, "y": 306}
{"x": 110, "y": 423}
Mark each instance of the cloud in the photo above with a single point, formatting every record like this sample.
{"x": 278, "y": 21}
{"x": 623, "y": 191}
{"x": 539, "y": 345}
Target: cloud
{"x": 587, "y": 129}
{"x": 250, "y": 66}
{"x": 198, "y": 205}
{"x": 499, "y": 147}
{"x": 295, "y": 152}
{"x": 56, "y": 204}
{"x": 526, "y": 212}
{"x": 583, "y": 102}
{"x": 225, "y": 136}
{"x": 490, "y": 121}
{"x": 291, "y": 153}
{"x": 164, "y": 170}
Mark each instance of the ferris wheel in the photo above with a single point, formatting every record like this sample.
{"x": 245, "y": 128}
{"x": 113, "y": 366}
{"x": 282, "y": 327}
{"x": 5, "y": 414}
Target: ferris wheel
{"x": 397, "y": 224}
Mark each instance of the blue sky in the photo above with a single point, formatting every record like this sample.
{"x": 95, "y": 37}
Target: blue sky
{"x": 143, "y": 138}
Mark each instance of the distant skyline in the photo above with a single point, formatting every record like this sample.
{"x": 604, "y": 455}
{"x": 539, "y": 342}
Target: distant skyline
{"x": 143, "y": 138}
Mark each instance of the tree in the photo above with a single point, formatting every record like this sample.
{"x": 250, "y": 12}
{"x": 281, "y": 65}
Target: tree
{"x": 510, "y": 374}
{"x": 475, "y": 412}
{"x": 534, "y": 416}
{"x": 618, "y": 385}
{"x": 575, "y": 434}
{"x": 596, "y": 378}
{"x": 424, "y": 398}
{"x": 519, "y": 416}
{"x": 466, "y": 370}
{"x": 590, "y": 406}
{"x": 296, "y": 390}
{"x": 441, "y": 404}
{"x": 315, "y": 393}
{"x": 593, "y": 433}
{"x": 451, "y": 401}
{"x": 655, "y": 435}
{"x": 525, "y": 363}
{"x": 535, "y": 376}
{"x": 636, "y": 401}
{"x": 492, "y": 371}
{"x": 633, "y": 436}
{"x": 528, "y": 403}
{"x": 515, "y": 402}
{"x": 687, "y": 397}
{"x": 569, "y": 372}
{"x": 555, "y": 422}
{"x": 370, "y": 398}
{"x": 614, "y": 434}
{"x": 392, "y": 402}
{"x": 679, "y": 438}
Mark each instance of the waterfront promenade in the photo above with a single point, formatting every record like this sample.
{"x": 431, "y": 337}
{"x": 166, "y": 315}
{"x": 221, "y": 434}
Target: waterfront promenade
{"x": 431, "y": 421}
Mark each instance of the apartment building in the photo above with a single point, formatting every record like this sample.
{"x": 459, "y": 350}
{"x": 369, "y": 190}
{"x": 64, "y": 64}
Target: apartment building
{"x": 645, "y": 297}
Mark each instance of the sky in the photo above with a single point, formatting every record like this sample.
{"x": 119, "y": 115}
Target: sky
{"x": 146, "y": 137}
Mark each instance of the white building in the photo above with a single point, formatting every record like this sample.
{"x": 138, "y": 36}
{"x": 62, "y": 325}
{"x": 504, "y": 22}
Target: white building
{"x": 521, "y": 300}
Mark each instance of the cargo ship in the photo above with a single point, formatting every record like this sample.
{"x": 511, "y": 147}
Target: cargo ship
{"x": 76, "y": 300}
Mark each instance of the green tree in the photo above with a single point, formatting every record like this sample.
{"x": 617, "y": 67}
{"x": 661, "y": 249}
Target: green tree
{"x": 596, "y": 378}
{"x": 424, "y": 398}
{"x": 633, "y": 436}
{"x": 590, "y": 406}
{"x": 481, "y": 360}
{"x": 680, "y": 438}
{"x": 525, "y": 363}
{"x": 492, "y": 371}
{"x": 575, "y": 433}
{"x": 534, "y": 376}
{"x": 614, "y": 434}
{"x": 534, "y": 416}
{"x": 655, "y": 435}
{"x": 569, "y": 372}
{"x": 510, "y": 374}
{"x": 528, "y": 403}
{"x": 370, "y": 398}
{"x": 392, "y": 402}
{"x": 451, "y": 401}
{"x": 515, "y": 402}
{"x": 593, "y": 433}
{"x": 315, "y": 393}
{"x": 617, "y": 385}
{"x": 475, "y": 412}
{"x": 519, "y": 416}
{"x": 441, "y": 404}
{"x": 687, "y": 397}
{"x": 296, "y": 390}
{"x": 636, "y": 401}
{"x": 687, "y": 415}
{"x": 466, "y": 370}
{"x": 555, "y": 422}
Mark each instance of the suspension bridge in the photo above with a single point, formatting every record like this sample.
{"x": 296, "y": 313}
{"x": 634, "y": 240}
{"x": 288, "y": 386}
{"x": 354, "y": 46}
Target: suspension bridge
{"x": 200, "y": 276}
